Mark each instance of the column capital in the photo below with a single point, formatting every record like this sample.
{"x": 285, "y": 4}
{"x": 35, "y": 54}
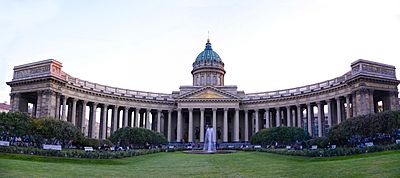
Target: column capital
{"x": 328, "y": 100}
{"x": 105, "y": 105}
{"x": 84, "y": 102}
{"x": 159, "y": 110}
{"x": 245, "y": 110}
{"x": 190, "y": 109}
{"x": 337, "y": 98}
{"x": 320, "y": 102}
{"x": 256, "y": 110}
{"x": 179, "y": 109}
{"x": 214, "y": 109}
{"x": 74, "y": 100}
{"x": 95, "y": 104}
{"x": 278, "y": 108}
{"x": 202, "y": 109}
{"x": 116, "y": 106}
{"x": 287, "y": 107}
{"x": 226, "y": 109}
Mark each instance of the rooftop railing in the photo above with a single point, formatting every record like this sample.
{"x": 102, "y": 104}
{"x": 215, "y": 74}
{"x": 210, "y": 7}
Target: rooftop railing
{"x": 299, "y": 90}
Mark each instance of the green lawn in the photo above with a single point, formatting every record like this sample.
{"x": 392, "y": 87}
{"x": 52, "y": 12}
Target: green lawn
{"x": 241, "y": 164}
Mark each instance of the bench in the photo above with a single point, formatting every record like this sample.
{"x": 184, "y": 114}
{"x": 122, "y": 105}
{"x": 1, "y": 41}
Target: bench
{"x": 4, "y": 143}
{"x": 88, "y": 148}
{"x": 52, "y": 147}
{"x": 368, "y": 144}
{"x": 314, "y": 147}
{"x": 257, "y": 146}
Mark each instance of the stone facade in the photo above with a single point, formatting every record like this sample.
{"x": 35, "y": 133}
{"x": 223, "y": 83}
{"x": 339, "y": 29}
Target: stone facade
{"x": 182, "y": 116}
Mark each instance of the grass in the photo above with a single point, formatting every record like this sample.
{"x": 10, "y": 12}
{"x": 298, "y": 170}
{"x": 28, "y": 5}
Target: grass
{"x": 241, "y": 164}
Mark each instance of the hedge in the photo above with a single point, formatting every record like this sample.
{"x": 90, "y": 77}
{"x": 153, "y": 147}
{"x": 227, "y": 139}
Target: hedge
{"x": 341, "y": 151}
{"x": 74, "y": 153}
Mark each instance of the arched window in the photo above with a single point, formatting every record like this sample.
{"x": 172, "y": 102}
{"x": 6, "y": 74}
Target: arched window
{"x": 208, "y": 80}
{"x": 202, "y": 80}
{"x": 220, "y": 80}
{"x": 197, "y": 80}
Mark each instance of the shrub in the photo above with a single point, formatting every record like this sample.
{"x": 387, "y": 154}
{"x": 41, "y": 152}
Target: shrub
{"x": 281, "y": 135}
{"x": 321, "y": 142}
{"x": 136, "y": 137}
{"x": 53, "y": 131}
{"x": 14, "y": 124}
{"x": 378, "y": 128}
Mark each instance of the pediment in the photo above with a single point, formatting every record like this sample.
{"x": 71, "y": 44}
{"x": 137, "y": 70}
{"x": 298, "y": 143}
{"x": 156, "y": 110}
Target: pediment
{"x": 208, "y": 92}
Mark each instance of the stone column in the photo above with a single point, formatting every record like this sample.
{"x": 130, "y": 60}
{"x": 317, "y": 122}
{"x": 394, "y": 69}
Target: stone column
{"x": 169, "y": 126}
{"x": 58, "y": 98}
{"x": 38, "y": 104}
{"x": 394, "y": 100}
{"x": 299, "y": 116}
{"x": 148, "y": 126}
{"x": 179, "y": 126}
{"x": 329, "y": 113}
{"x": 320, "y": 115}
{"x": 125, "y": 123}
{"x": 73, "y": 113}
{"x": 201, "y": 125}
{"x": 347, "y": 106}
{"x": 236, "y": 125}
{"x": 104, "y": 122}
{"x": 371, "y": 101}
{"x": 214, "y": 120}
{"x": 288, "y": 116}
{"x": 266, "y": 115}
{"x": 115, "y": 118}
{"x": 278, "y": 117}
{"x": 225, "y": 125}
{"x": 84, "y": 127}
{"x": 93, "y": 123}
{"x": 159, "y": 121}
{"x": 339, "y": 110}
{"x": 310, "y": 115}
{"x": 246, "y": 125}
{"x": 190, "y": 134}
{"x": 257, "y": 126}
{"x": 64, "y": 110}
{"x": 138, "y": 119}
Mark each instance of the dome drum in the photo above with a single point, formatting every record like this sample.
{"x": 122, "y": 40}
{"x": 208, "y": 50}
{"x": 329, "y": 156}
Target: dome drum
{"x": 208, "y": 68}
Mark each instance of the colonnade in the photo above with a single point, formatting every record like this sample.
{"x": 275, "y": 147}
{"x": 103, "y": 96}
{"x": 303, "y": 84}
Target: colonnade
{"x": 189, "y": 124}
{"x": 75, "y": 111}
{"x": 312, "y": 116}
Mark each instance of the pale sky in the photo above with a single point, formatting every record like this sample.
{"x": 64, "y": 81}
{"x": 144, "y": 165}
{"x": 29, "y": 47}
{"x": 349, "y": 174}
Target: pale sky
{"x": 151, "y": 45}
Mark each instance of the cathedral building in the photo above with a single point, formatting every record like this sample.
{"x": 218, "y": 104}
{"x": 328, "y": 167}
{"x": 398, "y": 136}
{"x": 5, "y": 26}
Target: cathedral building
{"x": 183, "y": 115}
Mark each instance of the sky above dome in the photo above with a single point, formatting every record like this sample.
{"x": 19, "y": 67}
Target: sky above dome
{"x": 151, "y": 45}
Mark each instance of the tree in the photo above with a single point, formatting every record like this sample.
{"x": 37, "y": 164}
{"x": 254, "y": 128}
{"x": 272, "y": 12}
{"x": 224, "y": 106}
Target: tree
{"x": 281, "y": 135}
{"x": 15, "y": 124}
{"x": 371, "y": 127}
{"x": 137, "y": 137}
{"x": 53, "y": 131}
